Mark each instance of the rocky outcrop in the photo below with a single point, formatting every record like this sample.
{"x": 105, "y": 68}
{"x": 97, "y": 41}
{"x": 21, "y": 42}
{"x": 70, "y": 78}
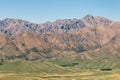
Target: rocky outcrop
{"x": 17, "y": 26}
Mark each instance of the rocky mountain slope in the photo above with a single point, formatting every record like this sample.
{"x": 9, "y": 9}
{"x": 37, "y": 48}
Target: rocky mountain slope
{"x": 17, "y": 26}
{"x": 30, "y": 41}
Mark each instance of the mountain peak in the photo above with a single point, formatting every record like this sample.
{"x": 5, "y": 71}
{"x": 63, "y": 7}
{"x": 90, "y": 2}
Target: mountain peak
{"x": 18, "y": 26}
{"x": 91, "y": 21}
{"x": 88, "y": 17}
{"x": 10, "y": 19}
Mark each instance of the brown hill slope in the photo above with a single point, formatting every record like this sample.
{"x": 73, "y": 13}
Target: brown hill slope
{"x": 22, "y": 39}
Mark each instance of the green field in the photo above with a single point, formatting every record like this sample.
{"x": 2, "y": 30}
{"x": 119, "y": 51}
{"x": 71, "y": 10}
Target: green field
{"x": 37, "y": 70}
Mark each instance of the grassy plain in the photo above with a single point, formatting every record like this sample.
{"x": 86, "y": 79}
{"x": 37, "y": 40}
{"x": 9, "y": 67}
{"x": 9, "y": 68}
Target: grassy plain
{"x": 35, "y": 70}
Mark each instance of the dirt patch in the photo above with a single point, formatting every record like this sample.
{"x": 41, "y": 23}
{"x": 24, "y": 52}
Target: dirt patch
{"x": 2, "y": 75}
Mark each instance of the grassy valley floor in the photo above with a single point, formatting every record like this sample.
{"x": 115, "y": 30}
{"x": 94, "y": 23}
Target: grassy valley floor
{"x": 85, "y": 75}
{"x": 35, "y": 70}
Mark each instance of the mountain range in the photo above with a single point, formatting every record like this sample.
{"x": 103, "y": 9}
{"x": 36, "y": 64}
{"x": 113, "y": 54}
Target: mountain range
{"x": 80, "y": 39}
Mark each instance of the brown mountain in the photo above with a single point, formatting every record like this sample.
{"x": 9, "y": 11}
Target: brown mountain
{"x": 26, "y": 40}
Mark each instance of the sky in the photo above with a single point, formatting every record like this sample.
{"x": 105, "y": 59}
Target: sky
{"x": 40, "y": 11}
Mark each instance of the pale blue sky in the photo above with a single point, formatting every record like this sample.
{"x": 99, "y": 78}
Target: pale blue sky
{"x": 40, "y": 11}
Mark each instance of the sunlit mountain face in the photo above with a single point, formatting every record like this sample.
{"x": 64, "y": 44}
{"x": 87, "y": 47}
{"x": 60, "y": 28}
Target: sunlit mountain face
{"x": 31, "y": 41}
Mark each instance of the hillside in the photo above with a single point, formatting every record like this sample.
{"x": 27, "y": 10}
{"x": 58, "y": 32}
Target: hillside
{"x": 77, "y": 39}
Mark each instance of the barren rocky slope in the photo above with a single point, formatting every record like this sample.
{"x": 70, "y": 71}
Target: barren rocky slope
{"x": 30, "y": 41}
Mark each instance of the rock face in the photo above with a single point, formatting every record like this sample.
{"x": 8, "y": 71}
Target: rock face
{"x": 30, "y": 41}
{"x": 17, "y": 27}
